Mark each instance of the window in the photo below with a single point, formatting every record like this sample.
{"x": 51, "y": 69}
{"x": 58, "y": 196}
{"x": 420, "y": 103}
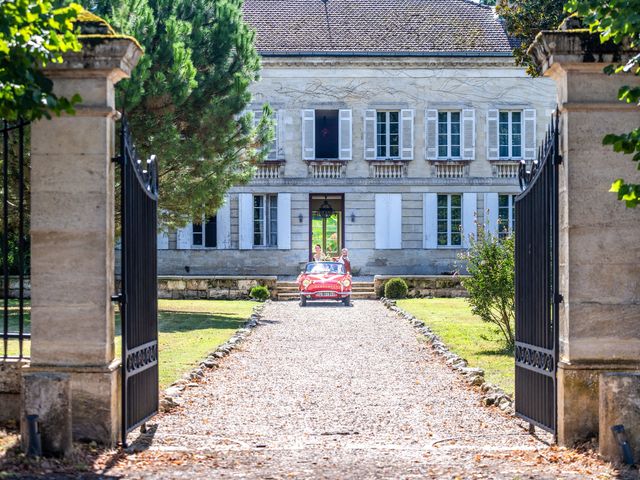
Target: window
{"x": 510, "y": 134}
{"x": 388, "y": 134}
{"x": 207, "y": 235}
{"x": 448, "y": 134}
{"x": 327, "y": 136}
{"x": 265, "y": 220}
{"x": 506, "y": 215}
{"x": 449, "y": 220}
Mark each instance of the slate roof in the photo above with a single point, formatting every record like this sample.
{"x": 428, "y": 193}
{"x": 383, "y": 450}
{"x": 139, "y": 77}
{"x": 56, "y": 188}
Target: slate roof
{"x": 376, "y": 27}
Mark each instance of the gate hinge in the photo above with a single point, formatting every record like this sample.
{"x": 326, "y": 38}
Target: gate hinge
{"x": 117, "y": 159}
{"x": 118, "y": 298}
{"x": 559, "y": 159}
{"x": 559, "y": 298}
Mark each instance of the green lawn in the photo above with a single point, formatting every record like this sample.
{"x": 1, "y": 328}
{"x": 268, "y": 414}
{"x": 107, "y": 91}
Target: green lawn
{"x": 188, "y": 330}
{"x": 465, "y": 334}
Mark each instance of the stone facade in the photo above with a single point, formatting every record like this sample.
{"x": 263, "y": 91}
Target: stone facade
{"x": 292, "y": 86}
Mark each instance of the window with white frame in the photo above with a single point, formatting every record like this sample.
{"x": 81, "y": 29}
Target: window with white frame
{"x": 506, "y": 215}
{"x": 265, "y": 220}
{"x": 510, "y": 133}
{"x": 388, "y": 134}
{"x": 449, "y": 134}
{"x": 450, "y": 220}
{"x": 205, "y": 235}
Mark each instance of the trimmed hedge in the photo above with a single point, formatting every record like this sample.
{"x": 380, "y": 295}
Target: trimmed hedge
{"x": 260, "y": 293}
{"x": 396, "y": 288}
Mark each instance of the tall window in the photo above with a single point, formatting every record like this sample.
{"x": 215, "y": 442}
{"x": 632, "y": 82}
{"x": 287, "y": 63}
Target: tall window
{"x": 206, "y": 235}
{"x": 265, "y": 220}
{"x": 327, "y": 134}
{"x": 506, "y": 215}
{"x": 388, "y": 134}
{"x": 448, "y": 134}
{"x": 449, "y": 220}
{"x": 510, "y": 128}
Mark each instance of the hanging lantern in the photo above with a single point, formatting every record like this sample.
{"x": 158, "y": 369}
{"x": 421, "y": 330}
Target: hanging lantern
{"x": 325, "y": 209}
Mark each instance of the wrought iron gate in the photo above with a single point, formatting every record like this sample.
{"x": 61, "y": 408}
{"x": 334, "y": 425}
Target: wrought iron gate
{"x": 537, "y": 296}
{"x": 139, "y": 295}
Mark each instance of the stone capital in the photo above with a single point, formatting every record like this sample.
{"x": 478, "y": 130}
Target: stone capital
{"x": 112, "y": 57}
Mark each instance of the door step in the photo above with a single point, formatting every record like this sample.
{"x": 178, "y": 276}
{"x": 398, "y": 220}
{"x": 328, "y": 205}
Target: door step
{"x": 360, "y": 291}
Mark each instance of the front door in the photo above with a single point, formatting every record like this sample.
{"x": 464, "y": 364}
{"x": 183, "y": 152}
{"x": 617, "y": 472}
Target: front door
{"x": 327, "y": 218}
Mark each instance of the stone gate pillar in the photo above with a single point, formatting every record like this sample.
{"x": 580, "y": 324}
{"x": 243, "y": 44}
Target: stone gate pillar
{"x": 72, "y": 232}
{"x": 599, "y": 248}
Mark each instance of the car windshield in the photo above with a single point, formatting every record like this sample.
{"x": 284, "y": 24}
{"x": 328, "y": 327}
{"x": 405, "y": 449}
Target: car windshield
{"x": 325, "y": 267}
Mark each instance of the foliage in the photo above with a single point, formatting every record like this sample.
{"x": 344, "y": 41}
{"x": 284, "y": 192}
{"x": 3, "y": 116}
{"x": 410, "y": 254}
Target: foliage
{"x": 186, "y": 98}
{"x": 491, "y": 265}
{"x": 618, "y": 21}
{"x": 32, "y": 34}
{"x": 260, "y": 293}
{"x": 524, "y": 19}
{"x": 466, "y": 335}
{"x": 396, "y": 288}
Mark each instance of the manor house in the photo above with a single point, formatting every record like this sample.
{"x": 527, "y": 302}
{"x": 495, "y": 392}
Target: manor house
{"x": 401, "y": 125}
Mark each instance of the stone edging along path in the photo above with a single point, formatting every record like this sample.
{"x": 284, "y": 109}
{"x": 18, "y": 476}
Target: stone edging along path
{"x": 492, "y": 395}
{"x": 170, "y": 398}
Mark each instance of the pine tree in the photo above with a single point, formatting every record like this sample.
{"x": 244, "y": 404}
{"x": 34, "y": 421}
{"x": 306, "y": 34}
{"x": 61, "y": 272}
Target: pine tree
{"x": 186, "y": 98}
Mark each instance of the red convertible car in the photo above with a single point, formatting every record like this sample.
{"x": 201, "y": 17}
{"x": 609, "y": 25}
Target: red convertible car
{"x": 324, "y": 281}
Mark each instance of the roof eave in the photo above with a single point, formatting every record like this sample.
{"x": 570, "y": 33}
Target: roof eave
{"x": 471, "y": 54}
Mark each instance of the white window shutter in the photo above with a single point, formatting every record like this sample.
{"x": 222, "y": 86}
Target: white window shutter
{"x": 431, "y": 133}
{"x": 406, "y": 137}
{"x": 491, "y": 213}
{"x": 284, "y": 221}
{"x": 280, "y": 135}
{"x": 394, "y": 222}
{"x": 245, "y": 218}
{"x": 273, "y": 151}
{"x": 185, "y": 237}
{"x": 469, "y": 217}
{"x": 468, "y": 134}
{"x": 492, "y": 135}
{"x": 162, "y": 240}
{"x": 223, "y": 224}
{"x": 308, "y": 134}
{"x": 370, "y": 134}
{"x": 430, "y": 220}
{"x": 529, "y": 136}
{"x": 382, "y": 218}
{"x": 345, "y": 135}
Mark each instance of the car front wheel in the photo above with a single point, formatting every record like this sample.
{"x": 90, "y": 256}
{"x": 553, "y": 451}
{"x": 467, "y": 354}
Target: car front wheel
{"x": 303, "y": 301}
{"x": 347, "y": 301}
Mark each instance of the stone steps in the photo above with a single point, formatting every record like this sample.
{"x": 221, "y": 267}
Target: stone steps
{"x": 360, "y": 291}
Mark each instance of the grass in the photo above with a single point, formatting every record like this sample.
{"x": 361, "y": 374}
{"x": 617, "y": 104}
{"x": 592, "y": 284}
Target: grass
{"x": 467, "y": 335}
{"x": 188, "y": 331}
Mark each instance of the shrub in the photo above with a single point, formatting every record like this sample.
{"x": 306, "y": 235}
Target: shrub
{"x": 396, "y": 288}
{"x": 491, "y": 285}
{"x": 260, "y": 293}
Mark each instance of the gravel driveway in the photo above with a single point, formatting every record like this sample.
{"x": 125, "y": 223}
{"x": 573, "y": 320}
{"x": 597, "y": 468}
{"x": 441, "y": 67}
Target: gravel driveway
{"x": 333, "y": 392}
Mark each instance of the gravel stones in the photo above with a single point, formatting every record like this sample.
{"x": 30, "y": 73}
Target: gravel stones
{"x": 333, "y": 393}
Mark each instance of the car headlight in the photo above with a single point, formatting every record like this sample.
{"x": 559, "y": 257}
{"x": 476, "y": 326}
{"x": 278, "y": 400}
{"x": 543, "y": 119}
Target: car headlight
{"x": 346, "y": 282}
{"x": 306, "y": 282}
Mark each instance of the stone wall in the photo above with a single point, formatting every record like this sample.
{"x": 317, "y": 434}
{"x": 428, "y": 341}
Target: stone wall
{"x": 10, "y": 381}
{"x": 421, "y": 286}
{"x": 213, "y": 288}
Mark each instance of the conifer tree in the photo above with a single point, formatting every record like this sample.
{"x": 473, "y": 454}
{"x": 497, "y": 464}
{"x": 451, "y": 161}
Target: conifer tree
{"x": 186, "y": 98}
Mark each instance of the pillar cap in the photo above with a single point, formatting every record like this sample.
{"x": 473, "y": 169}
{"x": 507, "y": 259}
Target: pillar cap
{"x": 104, "y": 52}
{"x": 576, "y": 46}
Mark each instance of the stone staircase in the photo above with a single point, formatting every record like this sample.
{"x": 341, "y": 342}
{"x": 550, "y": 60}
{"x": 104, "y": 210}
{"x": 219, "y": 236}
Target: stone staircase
{"x": 287, "y": 290}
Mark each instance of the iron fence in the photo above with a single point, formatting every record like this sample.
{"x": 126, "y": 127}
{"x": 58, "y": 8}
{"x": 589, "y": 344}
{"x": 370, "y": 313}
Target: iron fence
{"x": 15, "y": 331}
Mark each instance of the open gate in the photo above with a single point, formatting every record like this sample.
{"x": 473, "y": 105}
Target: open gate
{"x": 537, "y": 296}
{"x": 139, "y": 292}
